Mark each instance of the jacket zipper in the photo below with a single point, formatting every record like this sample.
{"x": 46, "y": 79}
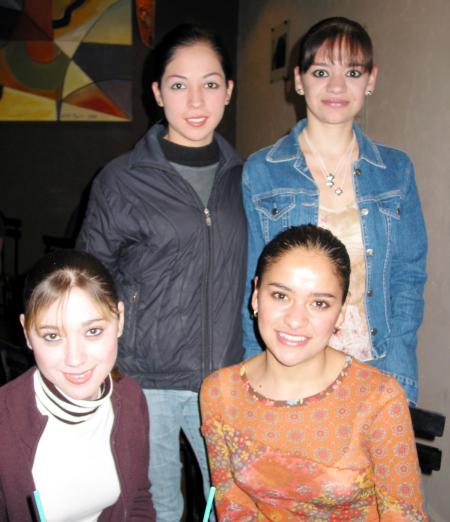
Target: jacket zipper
{"x": 207, "y": 217}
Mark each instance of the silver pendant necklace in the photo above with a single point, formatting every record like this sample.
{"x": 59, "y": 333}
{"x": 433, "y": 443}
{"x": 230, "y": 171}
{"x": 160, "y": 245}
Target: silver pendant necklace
{"x": 331, "y": 179}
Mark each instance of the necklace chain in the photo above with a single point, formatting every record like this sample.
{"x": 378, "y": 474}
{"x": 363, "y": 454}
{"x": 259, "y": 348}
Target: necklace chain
{"x": 330, "y": 178}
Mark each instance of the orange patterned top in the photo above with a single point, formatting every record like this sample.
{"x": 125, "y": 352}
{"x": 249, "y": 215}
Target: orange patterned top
{"x": 347, "y": 453}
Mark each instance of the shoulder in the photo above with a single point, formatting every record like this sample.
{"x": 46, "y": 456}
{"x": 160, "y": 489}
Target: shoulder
{"x": 18, "y": 387}
{"x": 16, "y": 396}
{"x": 146, "y": 152}
{"x": 127, "y": 389}
{"x": 379, "y": 385}
{"x": 380, "y": 155}
{"x": 216, "y": 384}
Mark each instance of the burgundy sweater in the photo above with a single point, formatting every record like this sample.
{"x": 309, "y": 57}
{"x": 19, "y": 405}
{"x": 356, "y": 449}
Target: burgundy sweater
{"x": 21, "y": 426}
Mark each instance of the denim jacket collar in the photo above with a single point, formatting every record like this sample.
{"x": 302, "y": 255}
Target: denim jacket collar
{"x": 288, "y": 149}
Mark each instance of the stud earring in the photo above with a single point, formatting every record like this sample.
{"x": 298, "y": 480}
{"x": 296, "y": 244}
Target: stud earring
{"x": 369, "y": 93}
{"x": 301, "y": 92}
{"x": 255, "y": 314}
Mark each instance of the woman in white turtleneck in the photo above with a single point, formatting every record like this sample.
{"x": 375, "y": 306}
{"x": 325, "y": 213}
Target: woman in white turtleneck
{"x": 68, "y": 428}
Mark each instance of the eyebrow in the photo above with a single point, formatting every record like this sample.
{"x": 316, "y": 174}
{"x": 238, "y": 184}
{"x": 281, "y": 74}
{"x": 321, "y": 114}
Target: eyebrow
{"x": 85, "y": 323}
{"x": 315, "y": 294}
{"x": 327, "y": 64}
{"x": 204, "y": 76}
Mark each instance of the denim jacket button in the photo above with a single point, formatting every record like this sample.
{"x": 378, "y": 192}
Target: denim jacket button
{"x": 357, "y": 172}
{"x": 364, "y": 211}
{"x": 370, "y": 293}
{"x": 398, "y": 212}
{"x": 373, "y": 331}
{"x": 274, "y": 211}
{"x": 369, "y": 252}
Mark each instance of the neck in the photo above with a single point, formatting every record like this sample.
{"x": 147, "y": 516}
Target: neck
{"x": 296, "y": 382}
{"x": 330, "y": 140}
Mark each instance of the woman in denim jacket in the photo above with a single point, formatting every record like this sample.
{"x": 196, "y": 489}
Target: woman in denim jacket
{"x": 327, "y": 172}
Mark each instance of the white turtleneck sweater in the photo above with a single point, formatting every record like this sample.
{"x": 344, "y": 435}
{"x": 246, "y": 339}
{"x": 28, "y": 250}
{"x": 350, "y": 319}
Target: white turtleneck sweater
{"x": 74, "y": 469}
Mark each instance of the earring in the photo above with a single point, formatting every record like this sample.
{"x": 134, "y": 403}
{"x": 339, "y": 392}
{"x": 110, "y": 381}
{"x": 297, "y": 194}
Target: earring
{"x": 369, "y": 93}
{"x": 336, "y": 330}
{"x": 300, "y": 91}
{"x": 255, "y": 314}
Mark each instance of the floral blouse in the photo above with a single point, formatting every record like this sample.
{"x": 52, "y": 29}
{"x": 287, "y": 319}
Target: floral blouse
{"x": 347, "y": 453}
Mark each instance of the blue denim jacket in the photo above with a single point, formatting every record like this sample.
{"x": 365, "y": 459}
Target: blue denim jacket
{"x": 279, "y": 192}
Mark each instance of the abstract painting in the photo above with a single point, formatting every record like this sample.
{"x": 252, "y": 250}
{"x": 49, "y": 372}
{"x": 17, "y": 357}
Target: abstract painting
{"x": 65, "y": 60}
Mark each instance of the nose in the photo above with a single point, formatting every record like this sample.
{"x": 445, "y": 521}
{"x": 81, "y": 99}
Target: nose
{"x": 75, "y": 354}
{"x": 195, "y": 97}
{"x": 296, "y": 316}
{"x": 336, "y": 84}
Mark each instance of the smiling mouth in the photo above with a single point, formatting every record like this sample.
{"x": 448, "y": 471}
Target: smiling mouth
{"x": 336, "y": 103}
{"x": 197, "y": 122}
{"x": 78, "y": 378}
{"x": 292, "y": 340}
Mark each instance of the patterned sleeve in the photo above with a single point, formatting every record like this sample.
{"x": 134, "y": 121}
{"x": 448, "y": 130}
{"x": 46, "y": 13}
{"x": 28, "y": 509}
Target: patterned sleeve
{"x": 232, "y": 503}
{"x": 393, "y": 453}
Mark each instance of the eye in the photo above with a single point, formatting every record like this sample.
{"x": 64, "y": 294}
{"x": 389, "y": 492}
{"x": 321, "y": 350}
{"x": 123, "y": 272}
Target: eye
{"x": 354, "y": 73}
{"x": 279, "y": 296}
{"x": 320, "y": 73}
{"x": 51, "y": 337}
{"x": 177, "y": 86}
{"x": 212, "y": 85}
{"x": 321, "y": 305}
{"x": 94, "y": 332}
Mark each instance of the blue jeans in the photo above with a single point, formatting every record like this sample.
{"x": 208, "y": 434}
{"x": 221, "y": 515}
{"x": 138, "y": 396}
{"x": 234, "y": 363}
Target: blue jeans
{"x": 170, "y": 411}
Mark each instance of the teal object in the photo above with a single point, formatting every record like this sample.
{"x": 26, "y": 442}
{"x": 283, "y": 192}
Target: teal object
{"x": 37, "y": 500}
{"x": 209, "y": 504}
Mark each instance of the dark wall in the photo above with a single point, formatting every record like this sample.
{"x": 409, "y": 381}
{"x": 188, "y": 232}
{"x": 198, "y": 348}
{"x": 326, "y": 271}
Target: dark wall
{"x": 45, "y": 167}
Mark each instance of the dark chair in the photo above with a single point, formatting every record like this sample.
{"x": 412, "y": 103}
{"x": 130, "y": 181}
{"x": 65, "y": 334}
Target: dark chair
{"x": 193, "y": 483}
{"x": 428, "y": 425}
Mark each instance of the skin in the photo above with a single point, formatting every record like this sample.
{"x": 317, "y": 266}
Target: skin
{"x": 299, "y": 304}
{"x": 334, "y": 90}
{"x": 193, "y": 92}
{"x": 74, "y": 344}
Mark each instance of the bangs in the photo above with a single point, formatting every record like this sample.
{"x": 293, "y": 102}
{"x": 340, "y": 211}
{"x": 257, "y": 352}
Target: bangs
{"x": 339, "y": 44}
{"x": 345, "y": 50}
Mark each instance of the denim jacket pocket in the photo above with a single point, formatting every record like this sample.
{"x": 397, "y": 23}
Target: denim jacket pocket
{"x": 274, "y": 212}
{"x": 390, "y": 207}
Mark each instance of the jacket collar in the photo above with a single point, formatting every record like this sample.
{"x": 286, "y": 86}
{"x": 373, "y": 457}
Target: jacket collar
{"x": 288, "y": 149}
{"x": 148, "y": 152}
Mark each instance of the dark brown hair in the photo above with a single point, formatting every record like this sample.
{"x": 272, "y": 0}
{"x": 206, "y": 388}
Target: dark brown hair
{"x": 347, "y": 35}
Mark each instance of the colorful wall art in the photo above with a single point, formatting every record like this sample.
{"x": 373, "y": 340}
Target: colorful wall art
{"x": 65, "y": 60}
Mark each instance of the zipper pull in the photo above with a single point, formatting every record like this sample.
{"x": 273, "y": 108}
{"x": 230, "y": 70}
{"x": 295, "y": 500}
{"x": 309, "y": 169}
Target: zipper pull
{"x": 207, "y": 217}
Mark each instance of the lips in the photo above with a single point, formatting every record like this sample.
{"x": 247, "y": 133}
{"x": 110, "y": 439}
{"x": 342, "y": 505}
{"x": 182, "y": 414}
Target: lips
{"x": 292, "y": 340}
{"x": 78, "y": 378}
{"x": 197, "y": 121}
{"x": 331, "y": 102}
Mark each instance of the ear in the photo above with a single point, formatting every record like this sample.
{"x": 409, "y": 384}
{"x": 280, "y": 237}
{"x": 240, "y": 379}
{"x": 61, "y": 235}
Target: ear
{"x": 341, "y": 317}
{"x": 230, "y": 87}
{"x": 298, "y": 79}
{"x": 157, "y": 94}
{"x": 22, "y": 322}
{"x": 121, "y": 308}
{"x": 372, "y": 79}
{"x": 254, "y": 300}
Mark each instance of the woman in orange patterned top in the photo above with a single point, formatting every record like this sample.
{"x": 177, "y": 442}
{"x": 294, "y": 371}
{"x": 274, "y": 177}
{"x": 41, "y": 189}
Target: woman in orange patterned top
{"x": 302, "y": 431}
